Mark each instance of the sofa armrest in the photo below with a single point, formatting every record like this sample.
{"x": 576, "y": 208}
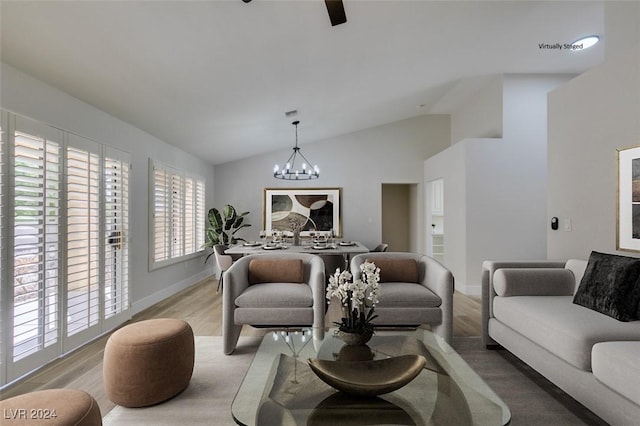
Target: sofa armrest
{"x": 489, "y": 267}
{"x": 533, "y": 282}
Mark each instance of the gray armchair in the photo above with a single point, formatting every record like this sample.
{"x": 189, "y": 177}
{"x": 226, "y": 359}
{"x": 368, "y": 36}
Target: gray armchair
{"x": 414, "y": 289}
{"x": 279, "y": 290}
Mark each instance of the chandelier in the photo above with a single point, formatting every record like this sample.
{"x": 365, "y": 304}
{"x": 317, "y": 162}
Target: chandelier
{"x": 289, "y": 171}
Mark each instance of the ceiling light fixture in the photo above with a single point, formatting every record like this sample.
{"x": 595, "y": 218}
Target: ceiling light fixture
{"x": 585, "y": 42}
{"x": 289, "y": 172}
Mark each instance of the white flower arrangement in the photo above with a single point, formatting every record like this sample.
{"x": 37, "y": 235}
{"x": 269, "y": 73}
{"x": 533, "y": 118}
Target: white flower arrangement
{"x": 358, "y": 298}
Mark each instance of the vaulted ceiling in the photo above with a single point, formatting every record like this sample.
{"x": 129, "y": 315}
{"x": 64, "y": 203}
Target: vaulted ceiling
{"x": 216, "y": 77}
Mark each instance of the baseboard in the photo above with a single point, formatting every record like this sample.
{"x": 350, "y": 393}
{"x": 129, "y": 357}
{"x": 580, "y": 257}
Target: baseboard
{"x": 468, "y": 289}
{"x": 161, "y": 295}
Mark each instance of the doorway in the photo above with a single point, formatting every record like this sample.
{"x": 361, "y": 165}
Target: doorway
{"x": 400, "y": 216}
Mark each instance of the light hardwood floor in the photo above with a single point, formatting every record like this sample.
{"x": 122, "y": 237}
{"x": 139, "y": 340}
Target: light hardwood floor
{"x": 201, "y": 307}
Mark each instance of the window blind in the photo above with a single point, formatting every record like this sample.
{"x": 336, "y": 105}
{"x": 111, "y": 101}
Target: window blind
{"x": 177, "y": 215}
{"x": 116, "y": 249}
{"x": 177, "y": 202}
{"x": 65, "y": 246}
{"x": 160, "y": 215}
{"x": 83, "y": 238}
{"x": 36, "y": 199}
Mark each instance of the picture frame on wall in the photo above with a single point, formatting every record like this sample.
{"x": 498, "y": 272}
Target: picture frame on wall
{"x": 628, "y": 203}
{"x": 318, "y": 209}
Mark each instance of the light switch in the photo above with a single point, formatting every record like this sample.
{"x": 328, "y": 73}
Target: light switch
{"x": 567, "y": 225}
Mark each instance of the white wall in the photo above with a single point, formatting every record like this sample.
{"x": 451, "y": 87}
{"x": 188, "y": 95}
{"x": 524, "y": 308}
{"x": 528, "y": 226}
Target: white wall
{"x": 589, "y": 119}
{"x": 32, "y": 98}
{"x": 622, "y": 24}
{"x": 508, "y": 179}
{"x": 358, "y": 162}
{"x": 498, "y": 210}
{"x": 479, "y": 116}
{"x": 450, "y": 165}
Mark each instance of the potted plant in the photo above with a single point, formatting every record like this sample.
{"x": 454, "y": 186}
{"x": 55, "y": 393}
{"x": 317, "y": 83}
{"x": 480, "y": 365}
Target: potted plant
{"x": 224, "y": 226}
{"x": 358, "y": 300}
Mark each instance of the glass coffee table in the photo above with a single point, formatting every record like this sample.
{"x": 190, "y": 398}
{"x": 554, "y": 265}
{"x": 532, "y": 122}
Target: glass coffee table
{"x": 280, "y": 388}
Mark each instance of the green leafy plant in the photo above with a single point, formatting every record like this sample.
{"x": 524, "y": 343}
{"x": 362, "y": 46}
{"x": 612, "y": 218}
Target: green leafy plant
{"x": 223, "y": 227}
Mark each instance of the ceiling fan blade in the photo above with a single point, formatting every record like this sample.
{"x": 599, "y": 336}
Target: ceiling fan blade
{"x": 336, "y": 12}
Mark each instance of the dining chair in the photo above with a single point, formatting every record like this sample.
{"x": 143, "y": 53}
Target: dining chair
{"x": 381, "y": 247}
{"x": 224, "y": 262}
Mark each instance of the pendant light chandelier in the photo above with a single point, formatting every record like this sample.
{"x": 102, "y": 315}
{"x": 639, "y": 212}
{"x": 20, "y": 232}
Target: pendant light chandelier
{"x": 289, "y": 171}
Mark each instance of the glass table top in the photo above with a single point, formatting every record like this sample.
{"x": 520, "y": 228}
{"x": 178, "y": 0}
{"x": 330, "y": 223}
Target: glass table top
{"x": 280, "y": 389}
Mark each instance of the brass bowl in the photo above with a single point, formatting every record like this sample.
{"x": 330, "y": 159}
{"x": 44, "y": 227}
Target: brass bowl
{"x": 368, "y": 378}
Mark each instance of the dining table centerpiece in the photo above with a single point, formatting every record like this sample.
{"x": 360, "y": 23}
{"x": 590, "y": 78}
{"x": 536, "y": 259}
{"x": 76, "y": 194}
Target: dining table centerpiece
{"x": 358, "y": 299}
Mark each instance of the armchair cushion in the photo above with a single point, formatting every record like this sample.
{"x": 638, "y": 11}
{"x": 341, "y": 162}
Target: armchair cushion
{"x": 397, "y": 270}
{"x": 276, "y": 295}
{"x": 407, "y": 295}
{"x": 276, "y": 271}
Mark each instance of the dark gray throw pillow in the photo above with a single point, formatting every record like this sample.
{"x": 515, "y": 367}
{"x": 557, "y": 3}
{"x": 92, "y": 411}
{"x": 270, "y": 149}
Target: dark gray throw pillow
{"x": 610, "y": 286}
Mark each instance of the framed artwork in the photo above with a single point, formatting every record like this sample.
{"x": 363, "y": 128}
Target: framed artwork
{"x": 315, "y": 209}
{"x": 628, "y": 220}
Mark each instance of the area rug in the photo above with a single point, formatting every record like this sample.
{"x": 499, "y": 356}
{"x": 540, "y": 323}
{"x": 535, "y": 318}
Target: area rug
{"x": 207, "y": 401}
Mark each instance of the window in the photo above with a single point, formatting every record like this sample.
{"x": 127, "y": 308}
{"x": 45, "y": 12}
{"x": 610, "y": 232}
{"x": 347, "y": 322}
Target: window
{"x": 65, "y": 224}
{"x": 194, "y": 214}
{"x": 36, "y": 246}
{"x": 83, "y": 237}
{"x": 116, "y": 220}
{"x": 3, "y": 287}
{"x": 178, "y": 222}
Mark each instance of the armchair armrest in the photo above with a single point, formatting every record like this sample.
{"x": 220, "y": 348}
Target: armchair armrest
{"x": 236, "y": 280}
{"x": 440, "y": 280}
{"x": 317, "y": 284}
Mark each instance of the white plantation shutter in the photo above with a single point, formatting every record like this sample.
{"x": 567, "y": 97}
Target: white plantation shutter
{"x": 177, "y": 215}
{"x": 64, "y": 258}
{"x": 3, "y": 276}
{"x": 194, "y": 214}
{"x": 178, "y": 205}
{"x": 189, "y": 216}
{"x": 116, "y": 231}
{"x": 36, "y": 246}
{"x": 161, "y": 207}
{"x": 83, "y": 235}
{"x": 200, "y": 214}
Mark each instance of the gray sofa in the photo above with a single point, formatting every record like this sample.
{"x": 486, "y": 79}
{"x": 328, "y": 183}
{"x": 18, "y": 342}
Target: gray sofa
{"x": 528, "y": 309}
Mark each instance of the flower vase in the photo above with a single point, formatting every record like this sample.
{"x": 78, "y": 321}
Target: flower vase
{"x": 296, "y": 238}
{"x": 355, "y": 339}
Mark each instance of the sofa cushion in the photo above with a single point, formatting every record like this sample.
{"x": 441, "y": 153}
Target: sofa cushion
{"x": 276, "y": 271}
{"x": 397, "y": 270}
{"x": 534, "y": 282}
{"x": 616, "y": 364}
{"x": 567, "y": 330}
{"x": 610, "y": 286}
{"x": 406, "y": 295}
{"x": 275, "y": 295}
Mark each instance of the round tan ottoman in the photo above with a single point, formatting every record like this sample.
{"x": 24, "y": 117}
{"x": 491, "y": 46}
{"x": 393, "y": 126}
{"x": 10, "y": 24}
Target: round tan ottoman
{"x": 148, "y": 362}
{"x": 59, "y": 407}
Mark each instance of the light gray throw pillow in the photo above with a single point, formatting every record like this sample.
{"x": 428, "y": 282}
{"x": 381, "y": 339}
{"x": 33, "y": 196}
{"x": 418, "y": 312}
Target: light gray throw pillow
{"x": 533, "y": 282}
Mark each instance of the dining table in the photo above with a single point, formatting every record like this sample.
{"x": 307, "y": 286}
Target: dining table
{"x": 344, "y": 248}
